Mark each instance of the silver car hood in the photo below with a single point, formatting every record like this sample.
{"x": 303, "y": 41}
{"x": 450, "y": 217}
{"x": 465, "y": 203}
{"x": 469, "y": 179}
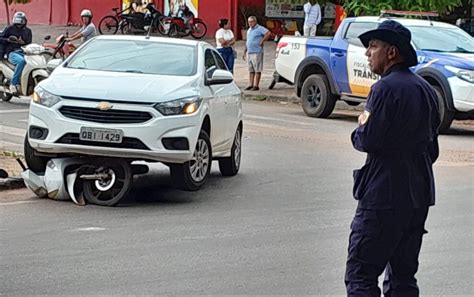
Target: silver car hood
{"x": 102, "y": 85}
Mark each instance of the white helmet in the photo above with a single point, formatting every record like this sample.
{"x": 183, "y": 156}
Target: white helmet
{"x": 19, "y": 18}
{"x": 86, "y": 13}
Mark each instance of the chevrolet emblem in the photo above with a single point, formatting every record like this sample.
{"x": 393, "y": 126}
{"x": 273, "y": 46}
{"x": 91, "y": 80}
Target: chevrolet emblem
{"x": 104, "y": 105}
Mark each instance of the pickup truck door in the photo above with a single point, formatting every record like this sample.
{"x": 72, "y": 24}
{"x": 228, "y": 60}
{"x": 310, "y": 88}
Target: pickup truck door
{"x": 359, "y": 76}
{"x": 339, "y": 61}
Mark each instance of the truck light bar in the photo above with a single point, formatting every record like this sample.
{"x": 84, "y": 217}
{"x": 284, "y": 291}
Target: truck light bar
{"x": 410, "y": 13}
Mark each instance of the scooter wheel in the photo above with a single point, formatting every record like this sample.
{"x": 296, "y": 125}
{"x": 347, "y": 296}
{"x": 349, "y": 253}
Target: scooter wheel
{"x": 109, "y": 191}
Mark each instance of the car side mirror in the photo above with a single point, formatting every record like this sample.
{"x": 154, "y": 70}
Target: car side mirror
{"x": 53, "y": 64}
{"x": 220, "y": 77}
{"x": 47, "y": 37}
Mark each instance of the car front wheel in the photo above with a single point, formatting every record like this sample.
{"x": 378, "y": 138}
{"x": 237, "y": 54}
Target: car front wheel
{"x": 230, "y": 166}
{"x": 193, "y": 174}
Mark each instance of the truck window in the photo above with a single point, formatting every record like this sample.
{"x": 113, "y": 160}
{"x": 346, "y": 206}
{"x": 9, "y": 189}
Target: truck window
{"x": 357, "y": 28}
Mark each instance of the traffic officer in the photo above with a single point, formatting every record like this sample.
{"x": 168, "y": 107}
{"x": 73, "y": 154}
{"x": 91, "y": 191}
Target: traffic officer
{"x": 395, "y": 187}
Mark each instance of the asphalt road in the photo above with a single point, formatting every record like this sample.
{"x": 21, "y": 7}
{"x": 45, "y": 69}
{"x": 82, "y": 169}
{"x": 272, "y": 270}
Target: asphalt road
{"x": 279, "y": 227}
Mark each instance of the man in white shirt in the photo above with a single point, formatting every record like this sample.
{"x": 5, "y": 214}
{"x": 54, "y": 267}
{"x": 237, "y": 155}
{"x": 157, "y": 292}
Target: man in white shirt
{"x": 88, "y": 29}
{"x": 312, "y": 17}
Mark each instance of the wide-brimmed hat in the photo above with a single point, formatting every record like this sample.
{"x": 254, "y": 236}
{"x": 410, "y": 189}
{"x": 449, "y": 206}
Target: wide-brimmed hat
{"x": 395, "y": 34}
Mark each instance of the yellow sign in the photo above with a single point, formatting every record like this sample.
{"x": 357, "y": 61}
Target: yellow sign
{"x": 172, "y": 6}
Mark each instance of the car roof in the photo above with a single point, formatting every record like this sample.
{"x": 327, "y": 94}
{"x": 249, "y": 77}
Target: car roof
{"x": 405, "y": 21}
{"x": 178, "y": 41}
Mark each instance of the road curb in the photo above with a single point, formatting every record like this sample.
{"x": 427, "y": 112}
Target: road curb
{"x": 11, "y": 183}
{"x": 270, "y": 98}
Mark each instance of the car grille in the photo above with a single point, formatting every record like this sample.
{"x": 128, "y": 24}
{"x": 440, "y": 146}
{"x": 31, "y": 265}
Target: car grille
{"x": 111, "y": 116}
{"x": 127, "y": 142}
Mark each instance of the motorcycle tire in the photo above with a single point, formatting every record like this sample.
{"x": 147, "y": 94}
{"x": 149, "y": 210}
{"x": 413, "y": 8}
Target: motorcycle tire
{"x": 173, "y": 31}
{"x": 199, "y": 30}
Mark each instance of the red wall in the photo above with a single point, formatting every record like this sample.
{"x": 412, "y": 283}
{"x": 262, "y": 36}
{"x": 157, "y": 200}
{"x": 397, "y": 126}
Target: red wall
{"x": 59, "y": 12}
{"x": 62, "y": 12}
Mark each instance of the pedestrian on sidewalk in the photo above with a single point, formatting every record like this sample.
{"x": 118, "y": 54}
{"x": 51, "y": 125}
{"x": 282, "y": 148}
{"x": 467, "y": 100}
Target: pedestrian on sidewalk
{"x": 256, "y": 37}
{"x": 312, "y": 17}
{"x": 225, "y": 41}
{"x": 395, "y": 188}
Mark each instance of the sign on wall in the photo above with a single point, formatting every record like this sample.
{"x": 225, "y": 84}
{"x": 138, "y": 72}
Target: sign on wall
{"x": 172, "y": 6}
{"x": 284, "y": 8}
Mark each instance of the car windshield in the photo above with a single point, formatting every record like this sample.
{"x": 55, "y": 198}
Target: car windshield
{"x": 452, "y": 40}
{"x": 136, "y": 57}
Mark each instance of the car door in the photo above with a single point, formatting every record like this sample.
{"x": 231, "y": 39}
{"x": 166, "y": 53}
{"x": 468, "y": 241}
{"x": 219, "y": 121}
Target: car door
{"x": 232, "y": 102}
{"x": 216, "y": 98}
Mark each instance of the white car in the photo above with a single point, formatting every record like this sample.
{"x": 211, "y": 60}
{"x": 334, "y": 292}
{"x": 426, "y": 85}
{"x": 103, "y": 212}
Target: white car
{"x": 138, "y": 98}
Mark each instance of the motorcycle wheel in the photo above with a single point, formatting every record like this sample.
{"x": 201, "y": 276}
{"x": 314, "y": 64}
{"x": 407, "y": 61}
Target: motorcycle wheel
{"x": 125, "y": 27}
{"x": 109, "y": 192}
{"x": 4, "y": 96}
{"x": 173, "y": 31}
{"x": 108, "y": 25}
{"x": 161, "y": 26}
{"x": 199, "y": 30}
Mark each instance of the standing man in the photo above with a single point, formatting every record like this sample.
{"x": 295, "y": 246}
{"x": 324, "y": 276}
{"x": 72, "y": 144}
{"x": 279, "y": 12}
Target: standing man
{"x": 13, "y": 38}
{"x": 312, "y": 17}
{"x": 398, "y": 131}
{"x": 88, "y": 29}
{"x": 256, "y": 37}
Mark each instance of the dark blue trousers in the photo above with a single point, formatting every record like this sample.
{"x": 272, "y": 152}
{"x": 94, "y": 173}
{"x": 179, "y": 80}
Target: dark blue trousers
{"x": 227, "y": 54}
{"x": 387, "y": 240}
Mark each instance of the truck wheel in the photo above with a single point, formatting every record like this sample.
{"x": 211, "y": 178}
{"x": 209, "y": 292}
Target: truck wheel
{"x": 35, "y": 163}
{"x": 192, "y": 175}
{"x": 318, "y": 102}
{"x": 445, "y": 115}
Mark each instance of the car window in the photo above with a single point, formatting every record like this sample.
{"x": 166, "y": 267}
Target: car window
{"x": 357, "y": 28}
{"x": 135, "y": 56}
{"x": 454, "y": 40}
{"x": 209, "y": 63}
{"x": 219, "y": 61}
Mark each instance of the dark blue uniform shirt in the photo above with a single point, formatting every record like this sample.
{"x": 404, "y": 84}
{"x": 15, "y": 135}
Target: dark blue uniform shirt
{"x": 400, "y": 139}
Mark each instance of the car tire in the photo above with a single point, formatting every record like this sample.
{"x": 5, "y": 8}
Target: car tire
{"x": 317, "y": 100}
{"x": 446, "y": 116}
{"x": 35, "y": 163}
{"x": 193, "y": 174}
{"x": 230, "y": 166}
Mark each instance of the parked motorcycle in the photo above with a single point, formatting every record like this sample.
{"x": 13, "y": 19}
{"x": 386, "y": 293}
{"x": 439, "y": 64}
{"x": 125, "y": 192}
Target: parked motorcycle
{"x": 178, "y": 28}
{"x": 59, "y": 50}
{"x": 33, "y": 73}
{"x": 139, "y": 23}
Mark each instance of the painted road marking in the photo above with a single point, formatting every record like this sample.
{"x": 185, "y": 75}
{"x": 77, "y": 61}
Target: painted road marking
{"x": 86, "y": 229}
{"x": 13, "y": 111}
{"x": 12, "y": 131}
{"x": 18, "y": 202}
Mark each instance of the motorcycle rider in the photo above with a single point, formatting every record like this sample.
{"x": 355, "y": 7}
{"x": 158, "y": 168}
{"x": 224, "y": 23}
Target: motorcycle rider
{"x": 11, "y": 40}
{"x": 88, "y": 29}
{"x": 187, "y": 15}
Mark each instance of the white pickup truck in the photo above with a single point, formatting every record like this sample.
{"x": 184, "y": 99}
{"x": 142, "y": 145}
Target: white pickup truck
{"x": 326, "y": 69}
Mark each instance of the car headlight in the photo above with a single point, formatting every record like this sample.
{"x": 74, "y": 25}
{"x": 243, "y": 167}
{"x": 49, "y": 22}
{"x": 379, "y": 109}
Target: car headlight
{"x": 464, "y": 74}
{"x": 187, "y": 105}
{"x": 40, "y": 96}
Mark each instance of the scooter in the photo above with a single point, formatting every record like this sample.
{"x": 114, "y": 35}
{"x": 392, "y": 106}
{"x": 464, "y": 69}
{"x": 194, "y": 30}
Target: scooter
{"x": 61, "y": 49}
{"x": 33, "y": 73}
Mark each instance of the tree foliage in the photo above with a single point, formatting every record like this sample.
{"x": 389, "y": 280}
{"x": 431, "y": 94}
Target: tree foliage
{"x": 373, "y": 7}
{"x": 10, "y": 2}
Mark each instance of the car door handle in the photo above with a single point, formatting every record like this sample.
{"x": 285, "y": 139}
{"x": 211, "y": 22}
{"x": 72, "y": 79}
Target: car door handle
{"x": 339, "y": 54}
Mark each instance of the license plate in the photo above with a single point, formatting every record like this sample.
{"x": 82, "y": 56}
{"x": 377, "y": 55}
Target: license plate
{"x": 101, "y": 135}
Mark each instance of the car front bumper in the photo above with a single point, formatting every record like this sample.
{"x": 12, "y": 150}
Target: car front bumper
{"x": 148, "y": 134}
